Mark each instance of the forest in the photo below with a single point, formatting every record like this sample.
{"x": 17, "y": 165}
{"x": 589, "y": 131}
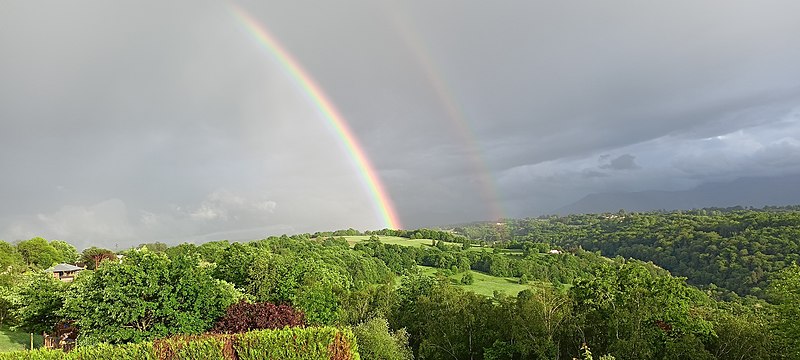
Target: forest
{"x": 704, "y": 284}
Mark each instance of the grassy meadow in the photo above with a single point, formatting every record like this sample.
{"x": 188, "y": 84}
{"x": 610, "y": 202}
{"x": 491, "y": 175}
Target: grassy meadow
{"x": 485, "y": 284}
{"x": 16, "y": 340}
{"x": 396, "y": 240}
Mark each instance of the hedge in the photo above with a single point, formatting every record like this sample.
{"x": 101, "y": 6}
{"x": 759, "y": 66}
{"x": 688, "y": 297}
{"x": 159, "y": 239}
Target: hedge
{"x": 317, "y": 343}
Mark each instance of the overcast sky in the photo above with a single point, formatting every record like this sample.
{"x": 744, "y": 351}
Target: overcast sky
{"x": 134, "y": 121}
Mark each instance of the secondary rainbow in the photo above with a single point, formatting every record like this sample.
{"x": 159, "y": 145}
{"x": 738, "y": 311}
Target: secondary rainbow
{"x": 295, "y": 71}
{"x": 455, "y": 116}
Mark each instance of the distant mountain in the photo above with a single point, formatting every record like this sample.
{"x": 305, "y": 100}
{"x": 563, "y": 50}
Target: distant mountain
{"x": 749, "y": 191}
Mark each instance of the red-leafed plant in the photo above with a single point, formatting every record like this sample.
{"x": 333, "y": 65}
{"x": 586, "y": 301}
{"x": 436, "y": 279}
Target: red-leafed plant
{"x": 243, "y": 316}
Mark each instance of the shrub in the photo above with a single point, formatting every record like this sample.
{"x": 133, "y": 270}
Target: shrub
{"x": 212, "y": 347}
{"x": 140, "y": 351}
{"x": 323, "y": 343}
{"x": 242, "y": 317}
{"x": 375, "y": 341}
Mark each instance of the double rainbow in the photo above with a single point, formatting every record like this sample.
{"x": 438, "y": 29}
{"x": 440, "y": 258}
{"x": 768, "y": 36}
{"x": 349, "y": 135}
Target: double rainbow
{"x": 383, "y": 204}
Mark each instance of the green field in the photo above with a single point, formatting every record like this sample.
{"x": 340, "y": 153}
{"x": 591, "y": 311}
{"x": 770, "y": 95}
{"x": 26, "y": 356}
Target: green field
{"x": 396, "y": 240}
{"x": 486, "y": 284}
{"x": 16, "y": 340}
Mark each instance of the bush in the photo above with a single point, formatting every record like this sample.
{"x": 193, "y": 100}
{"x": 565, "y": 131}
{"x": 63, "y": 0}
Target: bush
{"x": 375, "y": 341}
{"x": 297, "y": 344}
{"x": 242, "y": 317}
{"x": 323, "y": 343}
{"x": 140, "y": 351}
{"x": 33, "y": 355}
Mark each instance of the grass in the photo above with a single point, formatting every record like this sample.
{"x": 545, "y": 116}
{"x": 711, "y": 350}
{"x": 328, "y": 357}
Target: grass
{"x": 396, "y": 240}
{"x": 17, "y": 340}
{"x": 485, "y": 284}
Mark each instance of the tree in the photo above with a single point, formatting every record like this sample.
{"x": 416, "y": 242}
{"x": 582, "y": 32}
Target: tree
{"x": 445, "y": 322}
{"x": 93, "y": 256}
{"x": 157, "y": 247}
{"x": 146, "y": 296}
{"x": 310, "y": 285}
{"x": 184, "y": 249}
{"x": 212, "y": 250}
{"x": 785, "y": 291}
{"x": 11, "y": 266}
{"x": 10, "y": 259}
{"x": 524, "y": 279}
{"x": 38, "y": 299}
{"x": 635, "y": 314}
{"x": 67, "y": 252}
{"x": 467, "y": 278}
{"x": 535, "y": 319}
{"x": 234, "y": 264}
{"x": 377, "y": 341}
{"x": 38, "y": 252}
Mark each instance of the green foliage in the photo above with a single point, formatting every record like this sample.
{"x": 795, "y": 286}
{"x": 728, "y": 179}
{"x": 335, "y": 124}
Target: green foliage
{"x": 467, "y": 278}
{"x": 444, "y": 322}
{"x": 41, "y": 354}
{"x": 93, "y": 256}
{"x": 11, "y": 267}
{"x": 738, "y": 250}
{"x": 140, "y": 351}
{"x": 146, "y": 296}
{"x": 311, "y": 286}
{"x": 67, "y": 252}
{"x": 376, "y": 341}
{"x": 11, "y": 260}
{"x": 289, "y": 344}
{"x": 586, "y": 353}
{"x": 367, "y": 303}
{"x": 192, "y": 347}
{"x": 297, "y": 344}
{"x": 184, "y": 249}
{"x": 37, "y": 301}
{"x": 234, "y": 264}
{"x": 38, "y": 252}
{"x": 785, "y": 291}
{"x": 212, "y": 251}
{"x": 635, "y": 314}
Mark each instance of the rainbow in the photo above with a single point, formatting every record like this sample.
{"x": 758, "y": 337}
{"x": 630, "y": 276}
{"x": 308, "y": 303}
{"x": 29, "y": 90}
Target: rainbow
{"x": 455, "y": 116}
{"x": 295, "y": 71}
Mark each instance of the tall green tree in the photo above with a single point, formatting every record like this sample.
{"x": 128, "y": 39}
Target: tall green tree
{"x": 310, "y": 285}
{"x": 68, "y": 253}
{"x": 234, "y": 264}
{"x": 157, "y": 247}
{"x": 11, "y": 267}
{"x": 38, "y": 300}
{"x": 633, "y": 313}
{"x": 785, "y": 292}
{"x": 93, "y": 256}
{"x": 37, "y": 252}
{"x": 444, "y": 322}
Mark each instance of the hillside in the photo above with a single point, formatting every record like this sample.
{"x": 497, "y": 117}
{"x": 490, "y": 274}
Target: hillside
{"x": 521, "y": 289}
{"x": 745, "y": 192}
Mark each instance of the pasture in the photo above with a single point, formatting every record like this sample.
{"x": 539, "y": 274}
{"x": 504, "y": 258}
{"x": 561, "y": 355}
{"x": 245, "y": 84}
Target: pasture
{"x": 16, "y": 340}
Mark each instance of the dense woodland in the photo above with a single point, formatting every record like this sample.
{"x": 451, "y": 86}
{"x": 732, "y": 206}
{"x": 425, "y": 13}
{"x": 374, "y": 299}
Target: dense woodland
{"x": 608, "y": 292}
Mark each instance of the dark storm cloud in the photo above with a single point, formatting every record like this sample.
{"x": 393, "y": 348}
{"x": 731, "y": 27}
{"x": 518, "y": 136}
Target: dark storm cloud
{"x": 133, "y": 121}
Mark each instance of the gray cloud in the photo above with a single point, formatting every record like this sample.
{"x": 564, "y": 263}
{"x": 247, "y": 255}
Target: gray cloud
{"x": 622, "y": 162}
{"x": 120, "y": 114}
